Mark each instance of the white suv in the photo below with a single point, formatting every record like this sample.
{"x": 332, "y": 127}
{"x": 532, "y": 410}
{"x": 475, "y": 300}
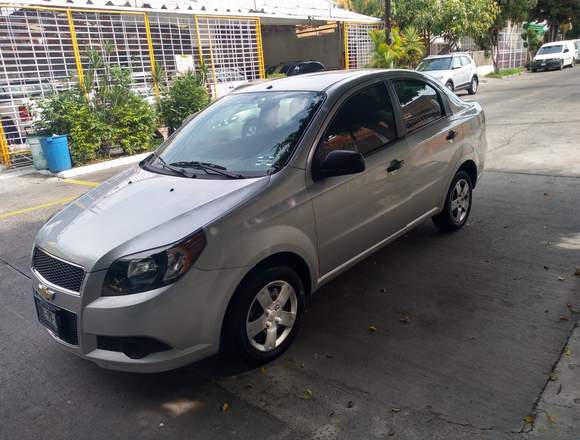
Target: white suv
{"x": 457, "y": 71}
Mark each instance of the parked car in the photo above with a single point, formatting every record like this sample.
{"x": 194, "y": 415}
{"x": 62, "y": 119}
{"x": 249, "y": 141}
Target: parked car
{"x": 577, "y": 46}
{"x": 457, "y": 71}
{"x": 555, "y": 55}
{"x": 296, "y": 68}
{"x": 215, "y": 240}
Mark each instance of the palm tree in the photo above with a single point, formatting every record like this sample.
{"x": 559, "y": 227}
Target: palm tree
{"x": 406, "y": 50}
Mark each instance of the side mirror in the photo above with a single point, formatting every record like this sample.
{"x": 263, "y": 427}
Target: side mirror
{"x": 566, "y": 50}
{"x": 341, "y": 163}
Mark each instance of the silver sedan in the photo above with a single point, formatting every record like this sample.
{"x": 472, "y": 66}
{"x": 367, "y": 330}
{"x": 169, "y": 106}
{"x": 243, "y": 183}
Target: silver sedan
{"x": 216, "y": 240}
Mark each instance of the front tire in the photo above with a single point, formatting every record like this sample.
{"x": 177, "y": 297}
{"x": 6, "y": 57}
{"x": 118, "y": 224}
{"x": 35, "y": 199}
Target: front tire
{"x": 264, "y": 315}
{"x": 457, "y": 204}
{"x": 472, "y": 90}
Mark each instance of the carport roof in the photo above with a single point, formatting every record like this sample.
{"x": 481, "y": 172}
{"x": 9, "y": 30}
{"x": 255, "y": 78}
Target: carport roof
{"x": 269, "y": 11}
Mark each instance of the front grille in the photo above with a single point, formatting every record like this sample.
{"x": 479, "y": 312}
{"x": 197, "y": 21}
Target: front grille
{"x": 57, "y": 272}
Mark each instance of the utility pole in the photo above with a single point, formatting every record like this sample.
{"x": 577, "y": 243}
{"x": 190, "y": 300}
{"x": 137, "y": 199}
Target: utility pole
{"x": 388, "y": 25}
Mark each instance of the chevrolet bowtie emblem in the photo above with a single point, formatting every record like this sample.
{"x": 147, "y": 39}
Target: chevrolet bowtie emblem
{"x": 45, "y": 292}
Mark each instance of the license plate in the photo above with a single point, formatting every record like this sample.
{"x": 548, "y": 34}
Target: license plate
{"x": 47, "y": 315}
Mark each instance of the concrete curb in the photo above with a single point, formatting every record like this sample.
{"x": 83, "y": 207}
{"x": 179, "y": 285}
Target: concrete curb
{"x": 78, "y": 171}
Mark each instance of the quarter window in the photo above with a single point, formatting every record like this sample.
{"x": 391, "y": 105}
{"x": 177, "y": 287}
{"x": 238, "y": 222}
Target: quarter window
{"x": 420, "y": 103}
{"x": 364, "y": 123}
{"x": 456, "y": 62}
{"x": 465, "y": 61}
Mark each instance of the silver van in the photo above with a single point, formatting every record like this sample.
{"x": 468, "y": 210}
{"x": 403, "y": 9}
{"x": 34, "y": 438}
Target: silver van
{"x": 216, "y": 240}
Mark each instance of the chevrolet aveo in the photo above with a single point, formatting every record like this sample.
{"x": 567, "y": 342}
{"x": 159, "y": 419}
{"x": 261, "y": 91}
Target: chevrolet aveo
{"x": 215, "y": 240}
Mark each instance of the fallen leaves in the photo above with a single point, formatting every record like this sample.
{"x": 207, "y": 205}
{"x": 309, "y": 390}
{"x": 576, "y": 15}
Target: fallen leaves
{"x": 553, "y": 376}
{"x": 577, "y": 271}
{"x": 529, "y": 419}
{"x": 372, "y": 328}
{"x": 568, "y": 352}
{"x": 560, "y": 278}
{"x": 307, "y": 394}
{"x": 405, "y": 319}
{"x": 225, "y": 407}
{"x": 551, "y": 419}
{"x": 564, "y": 318}
{"x": 573, "y": 309}
{"x": 350, "y": 404}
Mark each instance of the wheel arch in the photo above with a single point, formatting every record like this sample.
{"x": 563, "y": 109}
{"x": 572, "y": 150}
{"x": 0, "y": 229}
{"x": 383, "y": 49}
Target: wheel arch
{"x": 470, "y": 168}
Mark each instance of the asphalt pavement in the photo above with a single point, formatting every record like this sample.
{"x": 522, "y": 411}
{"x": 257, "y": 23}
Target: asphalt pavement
{"x": 469, "y": 326}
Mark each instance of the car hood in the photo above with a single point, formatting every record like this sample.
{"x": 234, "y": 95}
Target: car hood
{"x": 437, "y": 73}
{"x": 548, "y": 56}
{"x": 139, "y": 210}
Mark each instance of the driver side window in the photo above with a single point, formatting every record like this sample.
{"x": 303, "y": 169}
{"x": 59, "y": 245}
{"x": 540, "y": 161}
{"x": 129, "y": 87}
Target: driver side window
{"x": 364, "y": 123}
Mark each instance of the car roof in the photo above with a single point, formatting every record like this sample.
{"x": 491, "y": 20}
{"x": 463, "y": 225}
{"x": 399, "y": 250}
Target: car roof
{"x": 554, "y": 43}
{"x": 315, "y": 82}
{"x": 318, "y": 81}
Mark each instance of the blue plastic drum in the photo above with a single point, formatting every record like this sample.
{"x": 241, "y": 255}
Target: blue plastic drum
{"x": 55, "y": 149}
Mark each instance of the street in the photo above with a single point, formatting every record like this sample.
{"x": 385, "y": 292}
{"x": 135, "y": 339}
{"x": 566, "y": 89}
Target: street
{"x": 467, "y": 326}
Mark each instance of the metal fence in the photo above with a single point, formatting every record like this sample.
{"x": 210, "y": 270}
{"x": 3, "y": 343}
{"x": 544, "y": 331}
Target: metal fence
{"x": 511, "y": 51}
{"x": 44, "y": 49}
{"x": 357, "y": 44}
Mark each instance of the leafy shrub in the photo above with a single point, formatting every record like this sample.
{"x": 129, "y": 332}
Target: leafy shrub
{"x": 133, "y": 121}
{"x": 185, "y": 96}
{"x": 406, "y": 50}
{"x": 100, "y": 116}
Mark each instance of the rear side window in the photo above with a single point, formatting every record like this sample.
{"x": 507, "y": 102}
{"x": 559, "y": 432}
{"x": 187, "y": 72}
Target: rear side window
{"x": 420, "y": 103}
{"x": 364, "y": 123}
{"x": 465, "y": 61}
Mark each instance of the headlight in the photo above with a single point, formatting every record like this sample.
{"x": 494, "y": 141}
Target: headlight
{"x": 154, "y": 268}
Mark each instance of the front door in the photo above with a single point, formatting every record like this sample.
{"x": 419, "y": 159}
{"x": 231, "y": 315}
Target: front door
{"x": 355, "y": 212}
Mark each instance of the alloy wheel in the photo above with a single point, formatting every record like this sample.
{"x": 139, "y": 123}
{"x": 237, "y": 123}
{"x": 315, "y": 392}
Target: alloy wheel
{"x": 474, "y": 85}
{"x": 271, "y": 316}
{"x": 460, "y": 201}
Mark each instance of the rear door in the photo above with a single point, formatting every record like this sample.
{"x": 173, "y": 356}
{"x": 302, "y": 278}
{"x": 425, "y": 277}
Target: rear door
{"x": 433, "y": 137}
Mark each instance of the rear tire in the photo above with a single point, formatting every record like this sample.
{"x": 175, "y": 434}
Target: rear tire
{"x": 264, "y": 315}
{"x": 457, "y": 204}
{"x": 472, "y": 90}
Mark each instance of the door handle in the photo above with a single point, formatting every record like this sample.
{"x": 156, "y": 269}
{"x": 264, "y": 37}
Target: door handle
{"x": 395, "y": 165}
{"x": 451, "y": 135}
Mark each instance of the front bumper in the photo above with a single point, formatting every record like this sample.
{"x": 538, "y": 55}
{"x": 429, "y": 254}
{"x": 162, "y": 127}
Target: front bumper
{"x": 187, "y": 316}
{"x": 546, "y": 64}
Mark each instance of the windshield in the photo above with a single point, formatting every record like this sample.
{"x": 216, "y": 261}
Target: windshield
{"x": 434, "y": 64}
{"x": 549, "y": 49}
{"x": 251, "y": 134}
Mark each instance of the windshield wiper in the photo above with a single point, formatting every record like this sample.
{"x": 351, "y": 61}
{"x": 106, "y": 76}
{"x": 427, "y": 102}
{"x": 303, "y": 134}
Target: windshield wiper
{"x": 209, "y": 168}
{"x": 179, "y": 171}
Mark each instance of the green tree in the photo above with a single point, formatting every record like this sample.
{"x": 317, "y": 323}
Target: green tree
{"x": 423, "y": 15}
{"x": 187, "y": 95}
{"x": 556, "y": 13}
{"x": 373, "y": 8}
{"x": 406, "y": 50}
{"x": 514, "y": 11}
{"x": 465, "y": 18}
